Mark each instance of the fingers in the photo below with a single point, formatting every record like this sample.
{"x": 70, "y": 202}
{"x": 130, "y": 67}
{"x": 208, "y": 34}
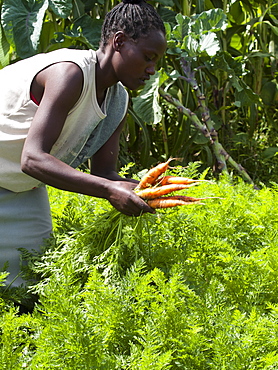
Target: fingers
{"x": 136, "y": 207}
{"x": 124, "y": 199}
{"x": 142, "y": 206}
{"x": 137, "y": 210}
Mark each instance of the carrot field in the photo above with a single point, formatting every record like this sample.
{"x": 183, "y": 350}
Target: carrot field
{"x": 191, "y": 287}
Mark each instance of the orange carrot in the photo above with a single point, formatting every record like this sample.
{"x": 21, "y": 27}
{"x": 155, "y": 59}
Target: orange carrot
{"x": 166, "y": 180}
{"x": 169, "y": 202}
{"x": 185, "y": 198}
{"x": 175, "y": 200}
{"x": 155, "y": 192}
{"x": 150, "y": 177}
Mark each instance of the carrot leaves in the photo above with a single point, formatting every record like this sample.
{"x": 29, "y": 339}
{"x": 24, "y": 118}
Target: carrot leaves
{"x": 185, "y": 288}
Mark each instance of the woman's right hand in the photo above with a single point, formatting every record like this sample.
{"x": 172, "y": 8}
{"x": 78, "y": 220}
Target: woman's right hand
{"x": 124, "y": 199}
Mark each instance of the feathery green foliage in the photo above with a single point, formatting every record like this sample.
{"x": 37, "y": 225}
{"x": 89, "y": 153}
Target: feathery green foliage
{"x": 193, "y": 287}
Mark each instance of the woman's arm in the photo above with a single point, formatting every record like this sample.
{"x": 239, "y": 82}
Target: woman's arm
{"x": 61, "y": 86}
{"x": 104, "y": 164}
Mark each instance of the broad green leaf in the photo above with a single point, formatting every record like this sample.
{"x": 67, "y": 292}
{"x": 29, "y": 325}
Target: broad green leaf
{"x": 195, "y": 45}
{"x": 87, "y": 4}
{"x": 270, "y": 152}
{"x": 190, "y": 45}
{"x": 236, "y": 12}
{"x": 269, "y": 92}
{"x": 167, "y": 15}
{"x": 70, "y": 37}
{"x": 226, "y": 62}
{"x": 200, "y": 138}
{"x": 145, "y": 151}
{"x": 61, "y": 8}
{"x": 51, "y": 38}
{"x": 245, "y": 96}
{"x": 232, "y": 66}
{"x": 181, "y": 30}
{"x": 209, "y": 43}
{"x": 146, "y": 104}
{"x": 90, "y": 29}
{"x": 197, "y": 34}
{"x": 4, "y": 49}
{"x": 143, "y": 104}
{"x": 217, "y": 3}
{"x": 234, "y": 31}
{"x": 22, "y": 22}
{"x": 78, "y": 9}
{"x": 211, "y": 20}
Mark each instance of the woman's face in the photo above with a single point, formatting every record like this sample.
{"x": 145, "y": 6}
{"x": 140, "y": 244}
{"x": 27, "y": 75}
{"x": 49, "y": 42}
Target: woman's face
{"x": 136, "y": 60}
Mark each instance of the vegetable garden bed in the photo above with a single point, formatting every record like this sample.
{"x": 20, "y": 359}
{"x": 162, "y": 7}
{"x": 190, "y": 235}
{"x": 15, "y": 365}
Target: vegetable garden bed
{"x": 192, "y": 287}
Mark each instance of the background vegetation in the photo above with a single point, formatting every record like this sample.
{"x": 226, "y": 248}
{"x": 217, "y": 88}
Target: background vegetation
{"x": 232, "y": 46}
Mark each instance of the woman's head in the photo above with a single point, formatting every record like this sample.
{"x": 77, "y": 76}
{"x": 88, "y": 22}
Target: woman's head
{"x": 135, "y": 18}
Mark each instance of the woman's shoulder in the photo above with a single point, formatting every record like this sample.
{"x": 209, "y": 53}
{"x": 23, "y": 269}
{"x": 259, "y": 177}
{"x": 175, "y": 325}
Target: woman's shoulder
{"x": 78, "y": 56}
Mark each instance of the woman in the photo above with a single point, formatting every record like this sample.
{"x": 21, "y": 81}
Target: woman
{"x": 61, "y": 108}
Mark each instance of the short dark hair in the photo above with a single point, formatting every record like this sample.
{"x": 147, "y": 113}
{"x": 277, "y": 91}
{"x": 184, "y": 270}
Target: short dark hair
{"x": 135, "y": 18}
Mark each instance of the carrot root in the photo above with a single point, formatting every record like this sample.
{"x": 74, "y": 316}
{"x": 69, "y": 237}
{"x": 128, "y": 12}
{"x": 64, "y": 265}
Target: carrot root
{"x": 151, "y": 176}
{"x": 166, "y": 180}
{"x": 170, "y": 202}
{"x": 156, "y": 192}
{"x": 154, "y": 186}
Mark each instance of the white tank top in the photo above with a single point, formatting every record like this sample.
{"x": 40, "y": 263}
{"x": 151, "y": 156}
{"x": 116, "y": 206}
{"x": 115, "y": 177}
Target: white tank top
{"x": 86, "y": 128}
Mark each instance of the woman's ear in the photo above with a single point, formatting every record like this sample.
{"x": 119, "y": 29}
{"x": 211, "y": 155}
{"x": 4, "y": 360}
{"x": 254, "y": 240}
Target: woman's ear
{"x": 118, "y": 40}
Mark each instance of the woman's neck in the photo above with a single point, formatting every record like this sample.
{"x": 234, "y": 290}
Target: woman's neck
{"x": 105, "y": 77}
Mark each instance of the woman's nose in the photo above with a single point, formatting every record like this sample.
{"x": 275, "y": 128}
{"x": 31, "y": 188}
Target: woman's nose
{"x": 151, "y": 69}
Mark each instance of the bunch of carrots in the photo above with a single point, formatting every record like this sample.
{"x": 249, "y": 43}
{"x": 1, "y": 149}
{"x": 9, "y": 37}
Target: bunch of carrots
{"x": 153, "y": 187}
